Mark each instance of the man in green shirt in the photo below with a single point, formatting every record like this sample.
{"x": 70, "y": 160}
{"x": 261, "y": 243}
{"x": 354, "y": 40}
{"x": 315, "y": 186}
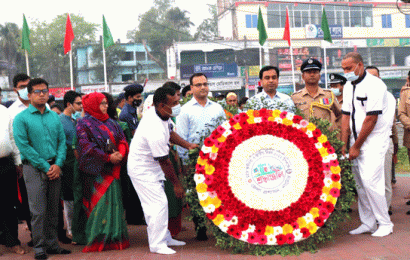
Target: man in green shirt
{"x": 40, "y": 137}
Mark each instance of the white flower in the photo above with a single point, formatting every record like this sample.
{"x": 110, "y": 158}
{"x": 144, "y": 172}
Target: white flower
{"x": 309, "y": 133}
{"x": 257, "y": 119}
{"x": 278, "y": 120}
{"x": 289, "y": 116}
{"x": 244, "y": 237}
{"x": 227, "y": 133}
{"x": 298, "y": 235}
{"x": 234, "y": 220}
{"x": 202, "y": 195}
{"x": 226, "y": 125}
{"x": 328, "y": 182}
{"x": 308, "y": 218}
{"x": 199, "y": 178}
{"x": 206, "y": 149}
{"x": 326, "y": 159}
{"x": 277, "y": 230}
{"x": 210, "y": 208}
{"x": 213, "y": 156}
{"x": 271, "y": 239}
{"x": 224, "y": 225}
{"x": 323, "y": 197}
{"x": 251, "y": 228}
{"x": 297, "y": 126}
{"x": 318, "y": 145}
{"x": 332, "y": 156}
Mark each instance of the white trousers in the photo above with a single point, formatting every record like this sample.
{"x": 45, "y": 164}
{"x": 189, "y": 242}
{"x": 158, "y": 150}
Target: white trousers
{"x": 68, "y": 214}
{"x": 368, "y": 170}
{"x": 154, "y": 203}
{"x": 387, "y": 172}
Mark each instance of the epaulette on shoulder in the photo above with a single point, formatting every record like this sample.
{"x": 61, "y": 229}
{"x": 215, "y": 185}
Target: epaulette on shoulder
{"x": 404, "y": 88}
{"x": 296, "y": 92}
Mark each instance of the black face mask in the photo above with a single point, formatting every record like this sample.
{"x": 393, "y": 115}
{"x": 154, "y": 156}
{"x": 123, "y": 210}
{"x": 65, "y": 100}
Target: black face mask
{"x": 136, "y": 102}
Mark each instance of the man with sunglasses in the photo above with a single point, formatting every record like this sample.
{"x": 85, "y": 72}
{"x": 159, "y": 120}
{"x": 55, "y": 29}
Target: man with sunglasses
{"x": 40, "y": 137}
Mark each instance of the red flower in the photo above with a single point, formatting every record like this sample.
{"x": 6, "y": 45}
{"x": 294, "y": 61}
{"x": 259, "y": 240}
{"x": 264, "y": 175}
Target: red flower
{"x": 281, "y": 239}
{"x": 323, "y": 213}
{"x": 330, "y": 150}
{"x": 290, "y": 238}
{"x": 228, "y": 215}
{"x": 243, "y": 116}
{"x": 327, "y": 145}
{"x": 208, "y": 142}
{"x": 319, "y": 221}
{"x": 297, "y": 119}
{"x": 305, "y": 232}
{"x": 335, "y": 192}
{"x": 294, "y": 224}
{"x": 209, "y": 179}
{"x": 262, "y": 239}
{"x": 328, "y": 206}
{"x": 326, "y": 166}
{"x": 283, "y": 114}
{"x": 316, "y": 133}
{"x": 220, "y": 130}
{"x": 335, "y": 177}
{"x": 212, "y": 215}
{"x": 252, "y": 237}
{"x": 256, "y": 113}
{"x": 334, "y": 163}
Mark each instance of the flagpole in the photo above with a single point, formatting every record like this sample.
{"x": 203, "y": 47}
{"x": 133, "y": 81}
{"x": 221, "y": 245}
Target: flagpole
{"x": 325, "y": 61}
{"x": 260, "y": 56}
{"x": 71, "y": 69}
{"x": 293, "y": 68}
{"x": 105, "y": 67}
{"x": 27, "y": 64}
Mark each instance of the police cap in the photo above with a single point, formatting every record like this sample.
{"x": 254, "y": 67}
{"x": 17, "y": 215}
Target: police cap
{"x": 336, "y": 78}
{"x": 311, "y": 64}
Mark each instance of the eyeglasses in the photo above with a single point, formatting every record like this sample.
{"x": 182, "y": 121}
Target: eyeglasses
{"x": 104, "y": 104}
{"x": 38, "y": 91}
{"x": 201, "y": 84}
{"x": 78, "y": 103}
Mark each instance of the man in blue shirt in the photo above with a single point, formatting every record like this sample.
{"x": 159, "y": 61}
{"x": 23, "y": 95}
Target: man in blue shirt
{"x": 40, "y": 137}
{"x": 133, "y": 100}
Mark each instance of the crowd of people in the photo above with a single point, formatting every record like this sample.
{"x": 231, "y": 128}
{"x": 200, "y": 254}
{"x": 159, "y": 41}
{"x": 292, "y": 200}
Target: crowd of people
{"x": 99, "y": 164}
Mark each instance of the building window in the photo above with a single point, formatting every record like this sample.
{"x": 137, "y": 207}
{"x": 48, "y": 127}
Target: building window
{"x": 140, "y": 56}
{"x": 386, "y": 21}
{"x": 128, "y": 56}
{"x": 127, "y": 77}
{"x": 407, "y": 18}
{"x": 251, "y": 20}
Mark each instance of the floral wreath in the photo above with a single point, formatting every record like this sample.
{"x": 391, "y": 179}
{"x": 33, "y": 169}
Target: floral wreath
{"x": 244, "y": 206}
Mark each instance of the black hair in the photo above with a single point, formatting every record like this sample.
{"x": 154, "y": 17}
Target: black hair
{"x": 57, "y": 106}
{"x": 69, "y": 97}
{"x": 188, "y": 88}
{"x": 19, "y": 77}
{"x": 51, "y": 99}
{"x": 196, "y": 75}
{"x": 373, "y": 67}
{"x": 266, "y": 68}
{"x": 242, "y": 101}
{"x": 34, "y": 82}
{"x": 111, "y": 110}
{"x": 161, "y": 95}
{"x": 133, "y": 90}
{"x": 172, "y": 84}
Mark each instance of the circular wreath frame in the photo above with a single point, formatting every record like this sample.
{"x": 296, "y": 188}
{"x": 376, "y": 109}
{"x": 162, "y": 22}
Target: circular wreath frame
{"x": 340, "y": 213}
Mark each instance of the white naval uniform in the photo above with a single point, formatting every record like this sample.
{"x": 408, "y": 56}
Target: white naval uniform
{"x": 369, "y": 97}
{"x": 151, "y": 143}
{"x": 389, "y": 154}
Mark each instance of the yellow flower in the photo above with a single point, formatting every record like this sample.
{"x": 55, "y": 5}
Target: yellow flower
{"x": 286, "y": 121}
{"x": 322, "y": 139}
{"x": 202, "y": 161}
{"x": 336, "y": 185}
{"x": 214, "y": 149}
{"x": 218, "y": 219}
{"x": 251, "y": 120}
{"x": 314, "y": 212}
{"x": 311, "y": 127}
{"x": 276, "y": 113}
{"x": 209, "y": 169}
{"x": 331, "y": 199}
{"x": 237, "y": 126}
{"x": 287, "y": 229}
{"x": 272, "y": 119}
{"x": 301, "y": 222}
{"x": 201, "y": 187}
{"x": 335, "y": 169}
{"x": 205, "y": 202}
{"x": 222, "y": 139}
{"x": 268, "y": 230}
{"x": 216, "y": 202}
{"x": 326, "y": 190}
{"x": 250, "y": 112}
{"x": 312, "y": 227}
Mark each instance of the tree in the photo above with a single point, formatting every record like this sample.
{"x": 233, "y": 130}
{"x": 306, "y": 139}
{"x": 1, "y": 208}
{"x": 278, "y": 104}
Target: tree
{"x": 208, "y": 29}
{"x": 10, "y": 36}
{"x": 47, "y": 58}
{"x": 113, "y": 55}
{"x": 159, "y": 27}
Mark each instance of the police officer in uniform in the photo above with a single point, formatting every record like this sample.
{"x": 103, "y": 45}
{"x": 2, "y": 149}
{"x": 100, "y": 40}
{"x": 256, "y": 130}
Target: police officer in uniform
{"x": 314, "y": 101}
{"x": 337, "y": 82}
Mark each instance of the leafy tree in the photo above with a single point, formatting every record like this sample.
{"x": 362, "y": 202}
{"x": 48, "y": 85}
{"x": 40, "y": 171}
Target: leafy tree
{"x": 208, "y": 29}
{"x": 159, "y": 27}
{"x": 113, "y": 55}
{"x": 47, "y": 58}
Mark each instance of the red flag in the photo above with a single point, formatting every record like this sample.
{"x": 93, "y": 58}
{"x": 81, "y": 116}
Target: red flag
{"x": 286, "y": 33}
{"x": 69, "y": 35}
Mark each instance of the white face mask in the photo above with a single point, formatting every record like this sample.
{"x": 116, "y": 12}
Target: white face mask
{"x": 351, "y": 76}
{"x": 176, "y": 110}
{"x": 23, "y": 93}
{"x": 336, "y": 91}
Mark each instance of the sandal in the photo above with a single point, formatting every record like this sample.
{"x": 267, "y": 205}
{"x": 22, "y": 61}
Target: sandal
{"x": 18, "y": 250}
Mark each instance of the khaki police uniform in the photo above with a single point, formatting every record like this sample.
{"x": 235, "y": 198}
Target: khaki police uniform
{"x": 323, "y": 105}
{"x": 404, "y": 114}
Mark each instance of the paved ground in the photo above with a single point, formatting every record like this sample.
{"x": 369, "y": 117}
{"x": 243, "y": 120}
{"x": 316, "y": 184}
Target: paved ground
{"x": 345, "y": 246}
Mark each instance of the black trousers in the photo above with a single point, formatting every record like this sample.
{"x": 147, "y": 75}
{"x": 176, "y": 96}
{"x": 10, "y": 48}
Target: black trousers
{"x": 8, "y": 195}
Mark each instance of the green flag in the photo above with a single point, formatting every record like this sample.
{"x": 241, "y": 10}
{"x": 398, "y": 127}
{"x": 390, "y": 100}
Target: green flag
{"x": 108, "y": 40}
{"x": 25, "y": 42}
{"x": 261, "y": 28}
{"x": 325, "y": 28}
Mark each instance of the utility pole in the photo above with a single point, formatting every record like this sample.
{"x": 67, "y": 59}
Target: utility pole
{"x": 245, "y": 43}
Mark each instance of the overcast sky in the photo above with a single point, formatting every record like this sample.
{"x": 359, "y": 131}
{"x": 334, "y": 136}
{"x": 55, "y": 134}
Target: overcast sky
{"x": 121, "y": 16}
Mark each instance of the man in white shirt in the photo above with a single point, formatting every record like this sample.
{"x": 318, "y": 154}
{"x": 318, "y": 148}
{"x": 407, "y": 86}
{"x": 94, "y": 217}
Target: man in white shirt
{"x": 10, "y": 171}
{"x": 270, "y": 98}
{"x": 366, "y": 118}
{"x": 148, "y": 164}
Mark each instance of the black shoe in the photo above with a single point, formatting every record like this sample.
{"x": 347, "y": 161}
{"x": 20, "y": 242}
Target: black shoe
{"x": 30, "y": 243}
{"x": 40, "y": 256}
{"x": 408, "y": 202}
{"x": 64, "y": 240}
{"x": 394, "y": 181}
{"x": 201, "y": 236}
{"x": 390, "y": 212}
{"x": 408, "y": 212}
{"x": 58, "y": 251}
